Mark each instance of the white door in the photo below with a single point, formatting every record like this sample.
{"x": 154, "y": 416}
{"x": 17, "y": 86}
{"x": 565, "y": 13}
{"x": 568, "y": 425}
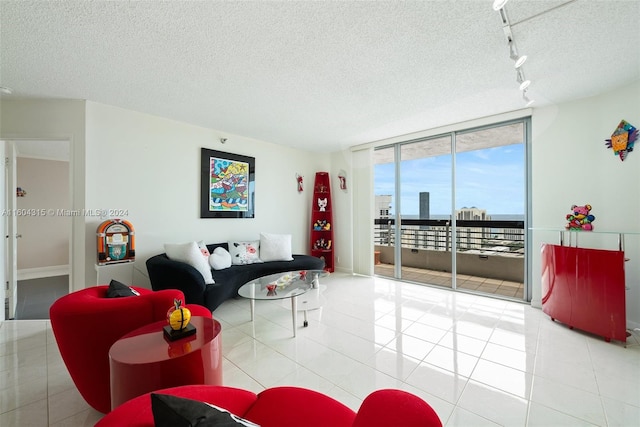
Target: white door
{"x": 3, "y": 246}
{"x": 10, "y": 230}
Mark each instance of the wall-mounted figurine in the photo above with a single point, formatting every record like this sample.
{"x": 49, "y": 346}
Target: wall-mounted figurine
{"x": 342, "y": 176}
{"x": 299, "y": 181}
{"x": 622, "y": 139}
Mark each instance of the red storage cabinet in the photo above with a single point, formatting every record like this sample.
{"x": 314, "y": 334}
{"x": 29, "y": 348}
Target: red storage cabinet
{"x": 322, "y": 221}
{"x": 585, "y": 289}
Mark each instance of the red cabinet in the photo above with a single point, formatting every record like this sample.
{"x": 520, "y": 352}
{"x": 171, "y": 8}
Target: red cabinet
{"x": 585, "y": 289}
{"x": 322, "y": 221}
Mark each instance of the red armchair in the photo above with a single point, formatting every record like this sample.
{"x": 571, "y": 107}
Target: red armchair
{"x": 288, "y": 407}
{"x": 86, "y": 323}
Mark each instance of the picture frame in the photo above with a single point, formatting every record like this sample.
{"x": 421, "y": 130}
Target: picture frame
{"x": 227, "y": 185}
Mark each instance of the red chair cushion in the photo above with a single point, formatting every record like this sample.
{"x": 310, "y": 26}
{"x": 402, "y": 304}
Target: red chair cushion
{"x": 297, "y": 407}
{"x": 392, "y": 407}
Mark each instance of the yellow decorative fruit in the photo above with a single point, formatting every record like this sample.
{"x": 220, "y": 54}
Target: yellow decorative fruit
{"x": 178, "y": 316}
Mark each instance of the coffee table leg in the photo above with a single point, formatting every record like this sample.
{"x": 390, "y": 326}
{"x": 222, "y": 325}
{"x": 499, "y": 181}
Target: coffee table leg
{"x": 253, "y": 308}
{"x": 294, "y": 313}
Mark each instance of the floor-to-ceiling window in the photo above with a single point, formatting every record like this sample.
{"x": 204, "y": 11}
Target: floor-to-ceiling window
{"x": 461, "y": 193}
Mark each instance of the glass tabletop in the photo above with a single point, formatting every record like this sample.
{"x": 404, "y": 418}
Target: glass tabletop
{"x": 280, "y": 285}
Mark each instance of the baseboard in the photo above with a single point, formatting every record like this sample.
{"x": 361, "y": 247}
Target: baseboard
{"x": 40, "y": 272}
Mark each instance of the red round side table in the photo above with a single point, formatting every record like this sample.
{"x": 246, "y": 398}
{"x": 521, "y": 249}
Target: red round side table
{"x": 144, "y": 360}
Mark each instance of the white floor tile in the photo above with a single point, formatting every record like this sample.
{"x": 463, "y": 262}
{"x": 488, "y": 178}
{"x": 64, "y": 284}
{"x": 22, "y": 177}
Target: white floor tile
{"x": 488, "y": 402}
{"x": 568, "y": 400}
{"x": 542, "y": 416}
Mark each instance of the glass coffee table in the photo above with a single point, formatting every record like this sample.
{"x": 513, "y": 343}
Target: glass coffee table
{"x": 280, "y": 286}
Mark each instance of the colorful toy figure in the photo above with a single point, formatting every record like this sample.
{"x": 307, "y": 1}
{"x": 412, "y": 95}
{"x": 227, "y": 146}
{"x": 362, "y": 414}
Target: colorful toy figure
{"x": 622, "y": 139}
{"x": 580, "y": 219}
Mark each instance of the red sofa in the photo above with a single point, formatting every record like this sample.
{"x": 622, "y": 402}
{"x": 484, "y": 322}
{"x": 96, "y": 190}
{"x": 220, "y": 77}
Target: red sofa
{"x": 288, "y": 407}
{"x": 86, "y": 323}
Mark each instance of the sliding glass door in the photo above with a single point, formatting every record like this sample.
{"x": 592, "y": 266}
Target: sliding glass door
{"x": 450, "y": 210}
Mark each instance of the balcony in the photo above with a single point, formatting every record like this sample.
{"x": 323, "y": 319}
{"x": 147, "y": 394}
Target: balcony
{"x": 490, "y": 254}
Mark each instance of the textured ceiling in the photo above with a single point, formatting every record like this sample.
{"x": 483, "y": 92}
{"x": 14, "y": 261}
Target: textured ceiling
{"x": 321, "y": 75}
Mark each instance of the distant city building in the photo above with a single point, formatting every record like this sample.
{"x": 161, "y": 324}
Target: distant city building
{"x": 472, "y": 214}
{"x": 424, "y": 205}
{"x": 383, "y": 206}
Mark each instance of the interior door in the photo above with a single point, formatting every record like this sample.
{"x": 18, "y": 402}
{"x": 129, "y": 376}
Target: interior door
{"x": 10, "y": 228}
{"x": 3, "y": 247}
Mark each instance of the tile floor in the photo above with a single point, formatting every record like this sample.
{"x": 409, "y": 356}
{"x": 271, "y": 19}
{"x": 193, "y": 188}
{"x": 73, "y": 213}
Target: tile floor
{"x": 499, "y": 287}
{"x": 478, "y": 361}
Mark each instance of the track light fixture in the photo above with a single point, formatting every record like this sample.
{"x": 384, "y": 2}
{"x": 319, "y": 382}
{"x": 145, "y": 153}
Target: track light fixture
{"x": 519, "y": 60}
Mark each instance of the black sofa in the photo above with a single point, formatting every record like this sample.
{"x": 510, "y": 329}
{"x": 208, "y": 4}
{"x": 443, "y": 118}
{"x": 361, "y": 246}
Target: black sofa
{"x": 169, "y": 274}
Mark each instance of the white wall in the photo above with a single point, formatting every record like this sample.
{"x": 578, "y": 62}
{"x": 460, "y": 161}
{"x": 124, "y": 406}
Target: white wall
{"x": 150, "y": 167}
{"x": 49, "y": 120}
{"x": 45, "y": 239}
{"x": 571, "y": 165}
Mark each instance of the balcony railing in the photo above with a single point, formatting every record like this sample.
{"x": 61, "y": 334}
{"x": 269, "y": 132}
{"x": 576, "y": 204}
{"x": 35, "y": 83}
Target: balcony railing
{"x": 504, "y": 238}
{"x": 491, "y": 250}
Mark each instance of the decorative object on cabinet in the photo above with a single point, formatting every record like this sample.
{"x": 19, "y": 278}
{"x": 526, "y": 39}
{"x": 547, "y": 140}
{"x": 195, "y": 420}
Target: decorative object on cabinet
{"x": 116, "y": 242}
{"x": 584, "y": 288}
{"x": 321, "y": 221}
{"x": 622, "y": 139}
{"x": 227, "y": 185}
{"x": 299, "y": 181}
{"x": 580, "y": 218}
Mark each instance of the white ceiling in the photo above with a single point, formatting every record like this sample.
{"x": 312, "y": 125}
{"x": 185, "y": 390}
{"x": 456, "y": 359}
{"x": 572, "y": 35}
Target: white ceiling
{"x": 318, "y": 75}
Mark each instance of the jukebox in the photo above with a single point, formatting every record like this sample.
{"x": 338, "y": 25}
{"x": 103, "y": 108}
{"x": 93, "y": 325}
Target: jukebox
{"x": 116, "y": 242}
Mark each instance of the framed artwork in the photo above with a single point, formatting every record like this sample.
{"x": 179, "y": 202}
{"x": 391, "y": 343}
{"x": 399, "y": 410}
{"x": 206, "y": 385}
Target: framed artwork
{"x": 227, "y": 186}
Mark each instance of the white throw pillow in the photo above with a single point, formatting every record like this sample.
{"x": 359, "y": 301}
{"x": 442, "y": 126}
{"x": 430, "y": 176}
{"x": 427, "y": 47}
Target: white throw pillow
{"x": 203, "y": 248}
{"x": 245, "y": 252}
{"x": 220, "y": 259}
{"x": 190, "y": 253}
{"x": 275, "y": 247}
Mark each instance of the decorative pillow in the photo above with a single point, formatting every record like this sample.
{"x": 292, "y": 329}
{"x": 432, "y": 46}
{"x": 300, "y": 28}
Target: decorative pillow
{"x": 204, "y": 249}
{"x": 190, "y": 254}
{"x": 220, "y": 259}
{"x": 275, "y": 247}
{"x": 174, "y": 411}
{"x": 245, "y": 252}
{"x": 117, "y": 289}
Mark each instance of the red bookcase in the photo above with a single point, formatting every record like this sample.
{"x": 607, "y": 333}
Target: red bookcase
{"x": 322, "y": 221}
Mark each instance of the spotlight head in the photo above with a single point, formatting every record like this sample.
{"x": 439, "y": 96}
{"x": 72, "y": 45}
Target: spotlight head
{"x": 520, "y": 61}
{"x": 526, "y": 99}
{"x": 499, "y": 4}
{"x": 525, "y": 84}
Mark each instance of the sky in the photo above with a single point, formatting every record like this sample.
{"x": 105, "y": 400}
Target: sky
{"x": 492, "y": 179}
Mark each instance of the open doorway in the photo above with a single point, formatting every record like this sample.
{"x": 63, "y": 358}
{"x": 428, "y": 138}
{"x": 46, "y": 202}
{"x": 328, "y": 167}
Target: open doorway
{"x": 39, "y": 227}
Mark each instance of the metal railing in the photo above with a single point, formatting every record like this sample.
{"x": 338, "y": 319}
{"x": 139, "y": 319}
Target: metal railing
{"x": 505, "y": 238}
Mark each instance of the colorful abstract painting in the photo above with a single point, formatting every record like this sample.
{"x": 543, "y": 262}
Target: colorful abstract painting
{"x": 622, "y": 139}
{"x": 227, "y": 185}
